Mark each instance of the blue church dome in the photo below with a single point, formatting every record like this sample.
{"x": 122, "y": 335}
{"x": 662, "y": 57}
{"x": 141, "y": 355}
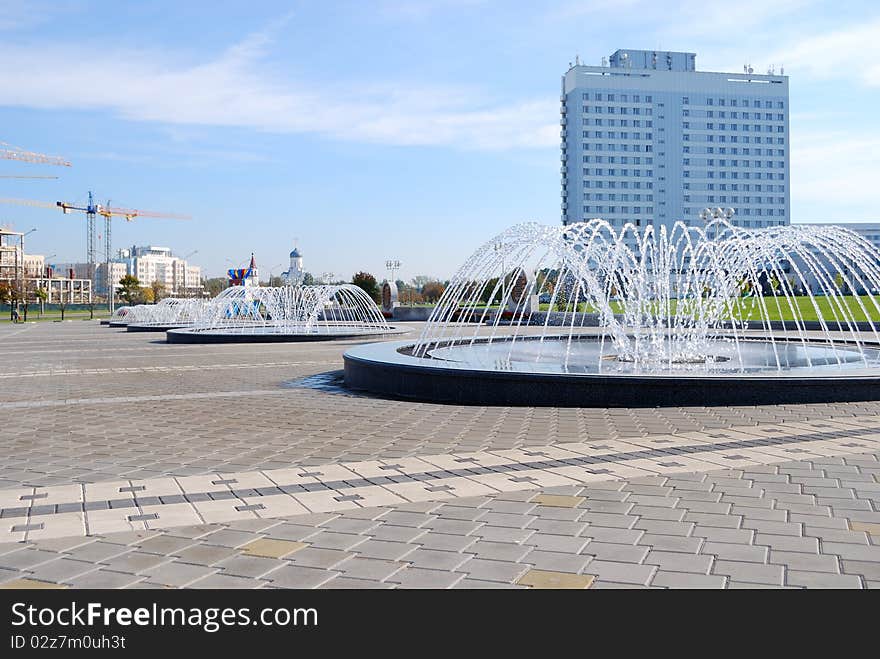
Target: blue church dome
{"x": 295, "y": 253}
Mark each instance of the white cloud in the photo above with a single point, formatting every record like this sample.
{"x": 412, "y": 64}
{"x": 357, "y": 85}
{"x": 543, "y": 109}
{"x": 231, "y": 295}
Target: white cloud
{"x": 852, "y": 52}
{"x": 834, "y": 176}
{"x": 231, "y": 90}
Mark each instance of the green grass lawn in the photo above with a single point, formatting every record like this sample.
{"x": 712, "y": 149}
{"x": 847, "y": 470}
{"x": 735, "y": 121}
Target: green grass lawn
{"x": 778, "y": 308}
{"x": 49, "y": 316}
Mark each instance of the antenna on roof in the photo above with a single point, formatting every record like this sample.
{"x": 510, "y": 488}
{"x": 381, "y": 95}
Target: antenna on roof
{"x": 577, "y": 60}
{"x": 782, "y": 70}
{"x": 604, "y": 61}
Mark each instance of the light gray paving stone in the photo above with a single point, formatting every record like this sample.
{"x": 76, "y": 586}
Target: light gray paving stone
{"x": 249, "y": 566}
{"x": 608, "y": 551}
{"x": 26, "y": 558}
{"x": 557, "y": 561}
{"x": 756, "y": 573}
{"x": 164, "y": 544}
{"x": 719, "y": 534}
{"x": 689, "y": 545}
{"x": 678, "y": 562}
{"x": 808, "y": 562}
{"x": 135, "y": 562}
{"x": 205, "y": 554}
{"x": 348, "y": 525}
{"x": 851, "y": 551}
{"x": 555, "y": 543}
{"x": 870, "y": 570}
{"x": 611, "y": 534}
{"x": 774, "y": 528}
{"x": 369, "y": 568}
{"x": 219, "y": 581}
{"x": 435, "y": 559}
{"x": 664, "y": 527}
{"x": 503, "y": 534}
{"x": 177, "y": 574}
{"x": 395, "y": 533}
{"x": 230, "y": 538}
{"x": 557, "y": 527}
{"x": 822, "y": 580}
{"x": 687, "y": 580}
{"x": 104, "y": 579}
{"x": 466, "y": 513}
{"x": 787, "y": 543}
{"x": 498, "y": 551}
{"x": 346, "y": 583}
{"x": 627, "y": 573}
{"x": 415, "y": 577}
{"x": 454, "y": 527}
{"x": 297, "y": 576}
{"x": 735, "y": 552}
{"x": 510, "y": 520}
{"x": 97, "y": 552}
{"x": 292, "y": 532}
{"x": 383, "y": 549}
{"x": 489, "y": 570}
{"x": 333, "y": 540}
{"x": 483, "y": 584}
{"x": 445, "y": 541}
{"x": 319, "y": 558}
{"x": 61, "y": 570}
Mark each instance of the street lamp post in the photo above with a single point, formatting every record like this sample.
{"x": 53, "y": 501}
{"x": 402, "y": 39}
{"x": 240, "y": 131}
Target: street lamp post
{"x": 709, "y": 214}
{"x": 23, "y": 272}
{"x": 393, "y": 265}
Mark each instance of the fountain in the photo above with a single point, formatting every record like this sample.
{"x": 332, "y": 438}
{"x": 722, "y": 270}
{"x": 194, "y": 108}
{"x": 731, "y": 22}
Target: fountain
{"x": 256, "y": 314}
{"x": 588, "y": 315}
{"x": 168, "y": 313}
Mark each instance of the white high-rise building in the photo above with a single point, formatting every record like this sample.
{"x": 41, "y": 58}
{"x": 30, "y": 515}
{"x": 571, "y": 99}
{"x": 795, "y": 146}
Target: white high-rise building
{"x": 151, "y": 263}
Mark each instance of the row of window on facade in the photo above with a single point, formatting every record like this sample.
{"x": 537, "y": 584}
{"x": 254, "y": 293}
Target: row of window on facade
{"x": 737, "y": 102}
{"x": 780, "y": 212}
{"x": 623, "y": 185}
{"x": 623, "y": 98}
{"x": 743, "y": 116}
{"x": 618, "y": 160}
{"x": 617, "y": 109}
{"x": 723, "y": 162}
{"x": 736, "y": 187}
{"x": 733, "y": 127}
{"x": 710, "y": 137}
{"x": 635, "y": 148}
{"x": 735, "y": 199}
{"x": 734, "y": 150}
{"x": 614, "y": 135}
{"x": 626, "y": 210}
{"x": 623, "y": 123}
{"x": 613, "y": 196}
{"x": 770, "y": 176}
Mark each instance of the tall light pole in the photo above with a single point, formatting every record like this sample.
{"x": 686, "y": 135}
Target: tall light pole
{"x": 327, "y": 277}
{"x": 271, "y": 270}
{"x": 23, "y": 272}
{"x": 393, "y": 265}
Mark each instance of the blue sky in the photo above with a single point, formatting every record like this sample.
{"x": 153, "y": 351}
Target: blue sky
{"x": 384, "y": 129}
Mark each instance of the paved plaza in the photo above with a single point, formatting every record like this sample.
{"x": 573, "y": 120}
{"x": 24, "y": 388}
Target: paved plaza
{"x": 127, "y": 462}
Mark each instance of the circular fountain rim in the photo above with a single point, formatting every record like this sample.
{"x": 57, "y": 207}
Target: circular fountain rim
{"x": 384, "y": 368}
{"x": 199, "y": 334}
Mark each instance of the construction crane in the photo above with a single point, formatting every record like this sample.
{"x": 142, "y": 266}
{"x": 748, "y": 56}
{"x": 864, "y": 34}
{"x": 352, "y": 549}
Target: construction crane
{"x": 16, "y": 176}
{"x": 92, "y": 210}
{"x": 10, "y": 152}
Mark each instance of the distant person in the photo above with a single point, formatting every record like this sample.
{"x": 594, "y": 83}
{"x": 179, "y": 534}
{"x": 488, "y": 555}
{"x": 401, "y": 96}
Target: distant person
{"x": 15, "y": 316}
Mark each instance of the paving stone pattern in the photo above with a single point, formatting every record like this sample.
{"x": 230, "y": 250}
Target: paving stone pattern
{"x": 87, "y": 404}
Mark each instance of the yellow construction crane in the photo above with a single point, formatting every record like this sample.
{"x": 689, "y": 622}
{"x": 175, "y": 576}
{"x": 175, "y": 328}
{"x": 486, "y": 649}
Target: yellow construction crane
{"x": 10, "y": 152}
{"x": 91, "y": 210}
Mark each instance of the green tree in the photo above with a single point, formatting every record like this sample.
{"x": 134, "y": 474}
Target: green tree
{"x": 130, "y": 289}
{"x": 308, "y": 279}
{"x": 216, "y": 285}
{"x": 432, "y": 290}
{"x": 367, "y": 282}
{"x": 42, "y": 295}
{"x": 158, "y": 289}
